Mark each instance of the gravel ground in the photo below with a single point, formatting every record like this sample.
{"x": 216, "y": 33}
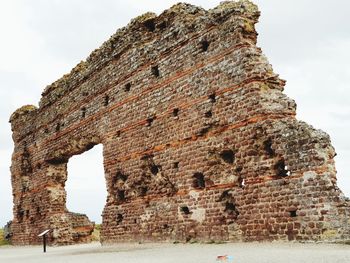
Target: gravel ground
{"x": 184, "y": 253}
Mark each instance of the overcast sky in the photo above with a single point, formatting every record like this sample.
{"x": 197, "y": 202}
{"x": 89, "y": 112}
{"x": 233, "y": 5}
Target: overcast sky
{"x": 306, "y": 41}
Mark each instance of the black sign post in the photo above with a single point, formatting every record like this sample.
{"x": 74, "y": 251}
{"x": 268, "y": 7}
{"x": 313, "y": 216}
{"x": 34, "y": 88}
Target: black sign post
{"x": 44, "y": 234}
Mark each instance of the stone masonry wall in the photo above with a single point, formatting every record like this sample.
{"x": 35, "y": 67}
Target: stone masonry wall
{"x": 199, "y": 141}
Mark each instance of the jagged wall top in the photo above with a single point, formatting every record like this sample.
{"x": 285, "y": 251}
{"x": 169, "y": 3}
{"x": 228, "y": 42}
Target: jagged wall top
{"x": 23, "y": 111}
{"x": 143, "y": 29}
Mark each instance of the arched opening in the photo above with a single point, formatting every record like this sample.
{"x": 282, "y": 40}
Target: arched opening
{"x": 86, "y": 186}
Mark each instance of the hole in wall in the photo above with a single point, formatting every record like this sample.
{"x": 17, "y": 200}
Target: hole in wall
{"x": 176, "y": 165}
{"x": 241, "y": 182}
{"x": 155, "y": 71}
{"x": 268, "y": 148}
{"x": 230, "y": 207}
{"x": 121, "y": 176}
{"x": 143, "y": 190}
{"x": 225, "y": 194}
{"x": 121, "y": 195}
{"x": 119, "y": 218}
{"x": 150, "y": 25}
{"x": 204, "y": 131}
{"x": 58, "y": 127}
{"x": 198, "y": 181}
{"x": 204, "y": 45}
{"x": 106, "y": 100}
{"x": 85, "y": 185}
{"x": 281, "y": 169}
{"x": 185, "y": 210}
{"x": 208, "y": 114}
{"x": 228, "y": 156}
{"x": 293, "y": 213}
{"x": 149, "y": 121}
{"x": 154, "y": 169}
{"x": 212, "y": 98}
{"x": 118, "y": 133}
{"x": 20, "y": 215}
{"x": 25, "y": 187}
{"x": 127, "y": 87}
{"x": 176, "y": 112}
{"x": 83, "y": 112}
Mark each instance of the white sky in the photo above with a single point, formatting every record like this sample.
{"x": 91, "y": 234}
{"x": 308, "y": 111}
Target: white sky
{"x": 306, "y": 41}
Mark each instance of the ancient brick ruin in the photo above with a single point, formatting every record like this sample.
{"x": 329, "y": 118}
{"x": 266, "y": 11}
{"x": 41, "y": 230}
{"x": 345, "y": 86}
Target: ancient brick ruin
{"x": 199, "y": 141}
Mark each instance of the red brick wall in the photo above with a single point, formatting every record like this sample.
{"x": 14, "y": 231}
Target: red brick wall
{"x": 199, "y": 141}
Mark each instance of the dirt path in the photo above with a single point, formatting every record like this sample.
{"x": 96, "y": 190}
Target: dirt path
{"x": 184, "y": 253}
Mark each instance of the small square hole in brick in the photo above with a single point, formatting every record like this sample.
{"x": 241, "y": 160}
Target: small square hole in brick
{"x": 176, "y": 112}
{"x": 58, "y": 127}
{"x": 241, "y": 182}
{"x": 121, "y": 195}
{"x": 293, "y": 213}
{"x": 230, "y": 207}
{"x": 198, "y": 181}
{"x": 106, "y": 100}
{"x": 150, "y": 121}
{"x": 154, "y": 169}
{"x": 281, "y": 169}
{"x": 228, "y": 156}
{"x": 121, "y": 176}
{"x": 150, "y": 25}
{"x": 268, "y": 148}
{"x": 212, "y": 98}
{"x": 176, "y": 165}
{"x": 119, "y": 218}
{"x": 155, "y": 71}
{"x": 185, "y": 210}
{"x": 204, "y": 45}
{"x": 83, "y": 112}
{"x": 208, "y": 114}
{"x": 127, "y": 87}
{"x": 143, "y": 190}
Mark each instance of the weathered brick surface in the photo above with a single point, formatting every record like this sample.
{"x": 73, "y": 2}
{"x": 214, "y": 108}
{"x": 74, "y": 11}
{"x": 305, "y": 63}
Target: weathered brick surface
{"x": 199, "y": 141}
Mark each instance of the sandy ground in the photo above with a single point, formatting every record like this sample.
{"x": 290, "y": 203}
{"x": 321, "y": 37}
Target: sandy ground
{"x": 184, "y": 253}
